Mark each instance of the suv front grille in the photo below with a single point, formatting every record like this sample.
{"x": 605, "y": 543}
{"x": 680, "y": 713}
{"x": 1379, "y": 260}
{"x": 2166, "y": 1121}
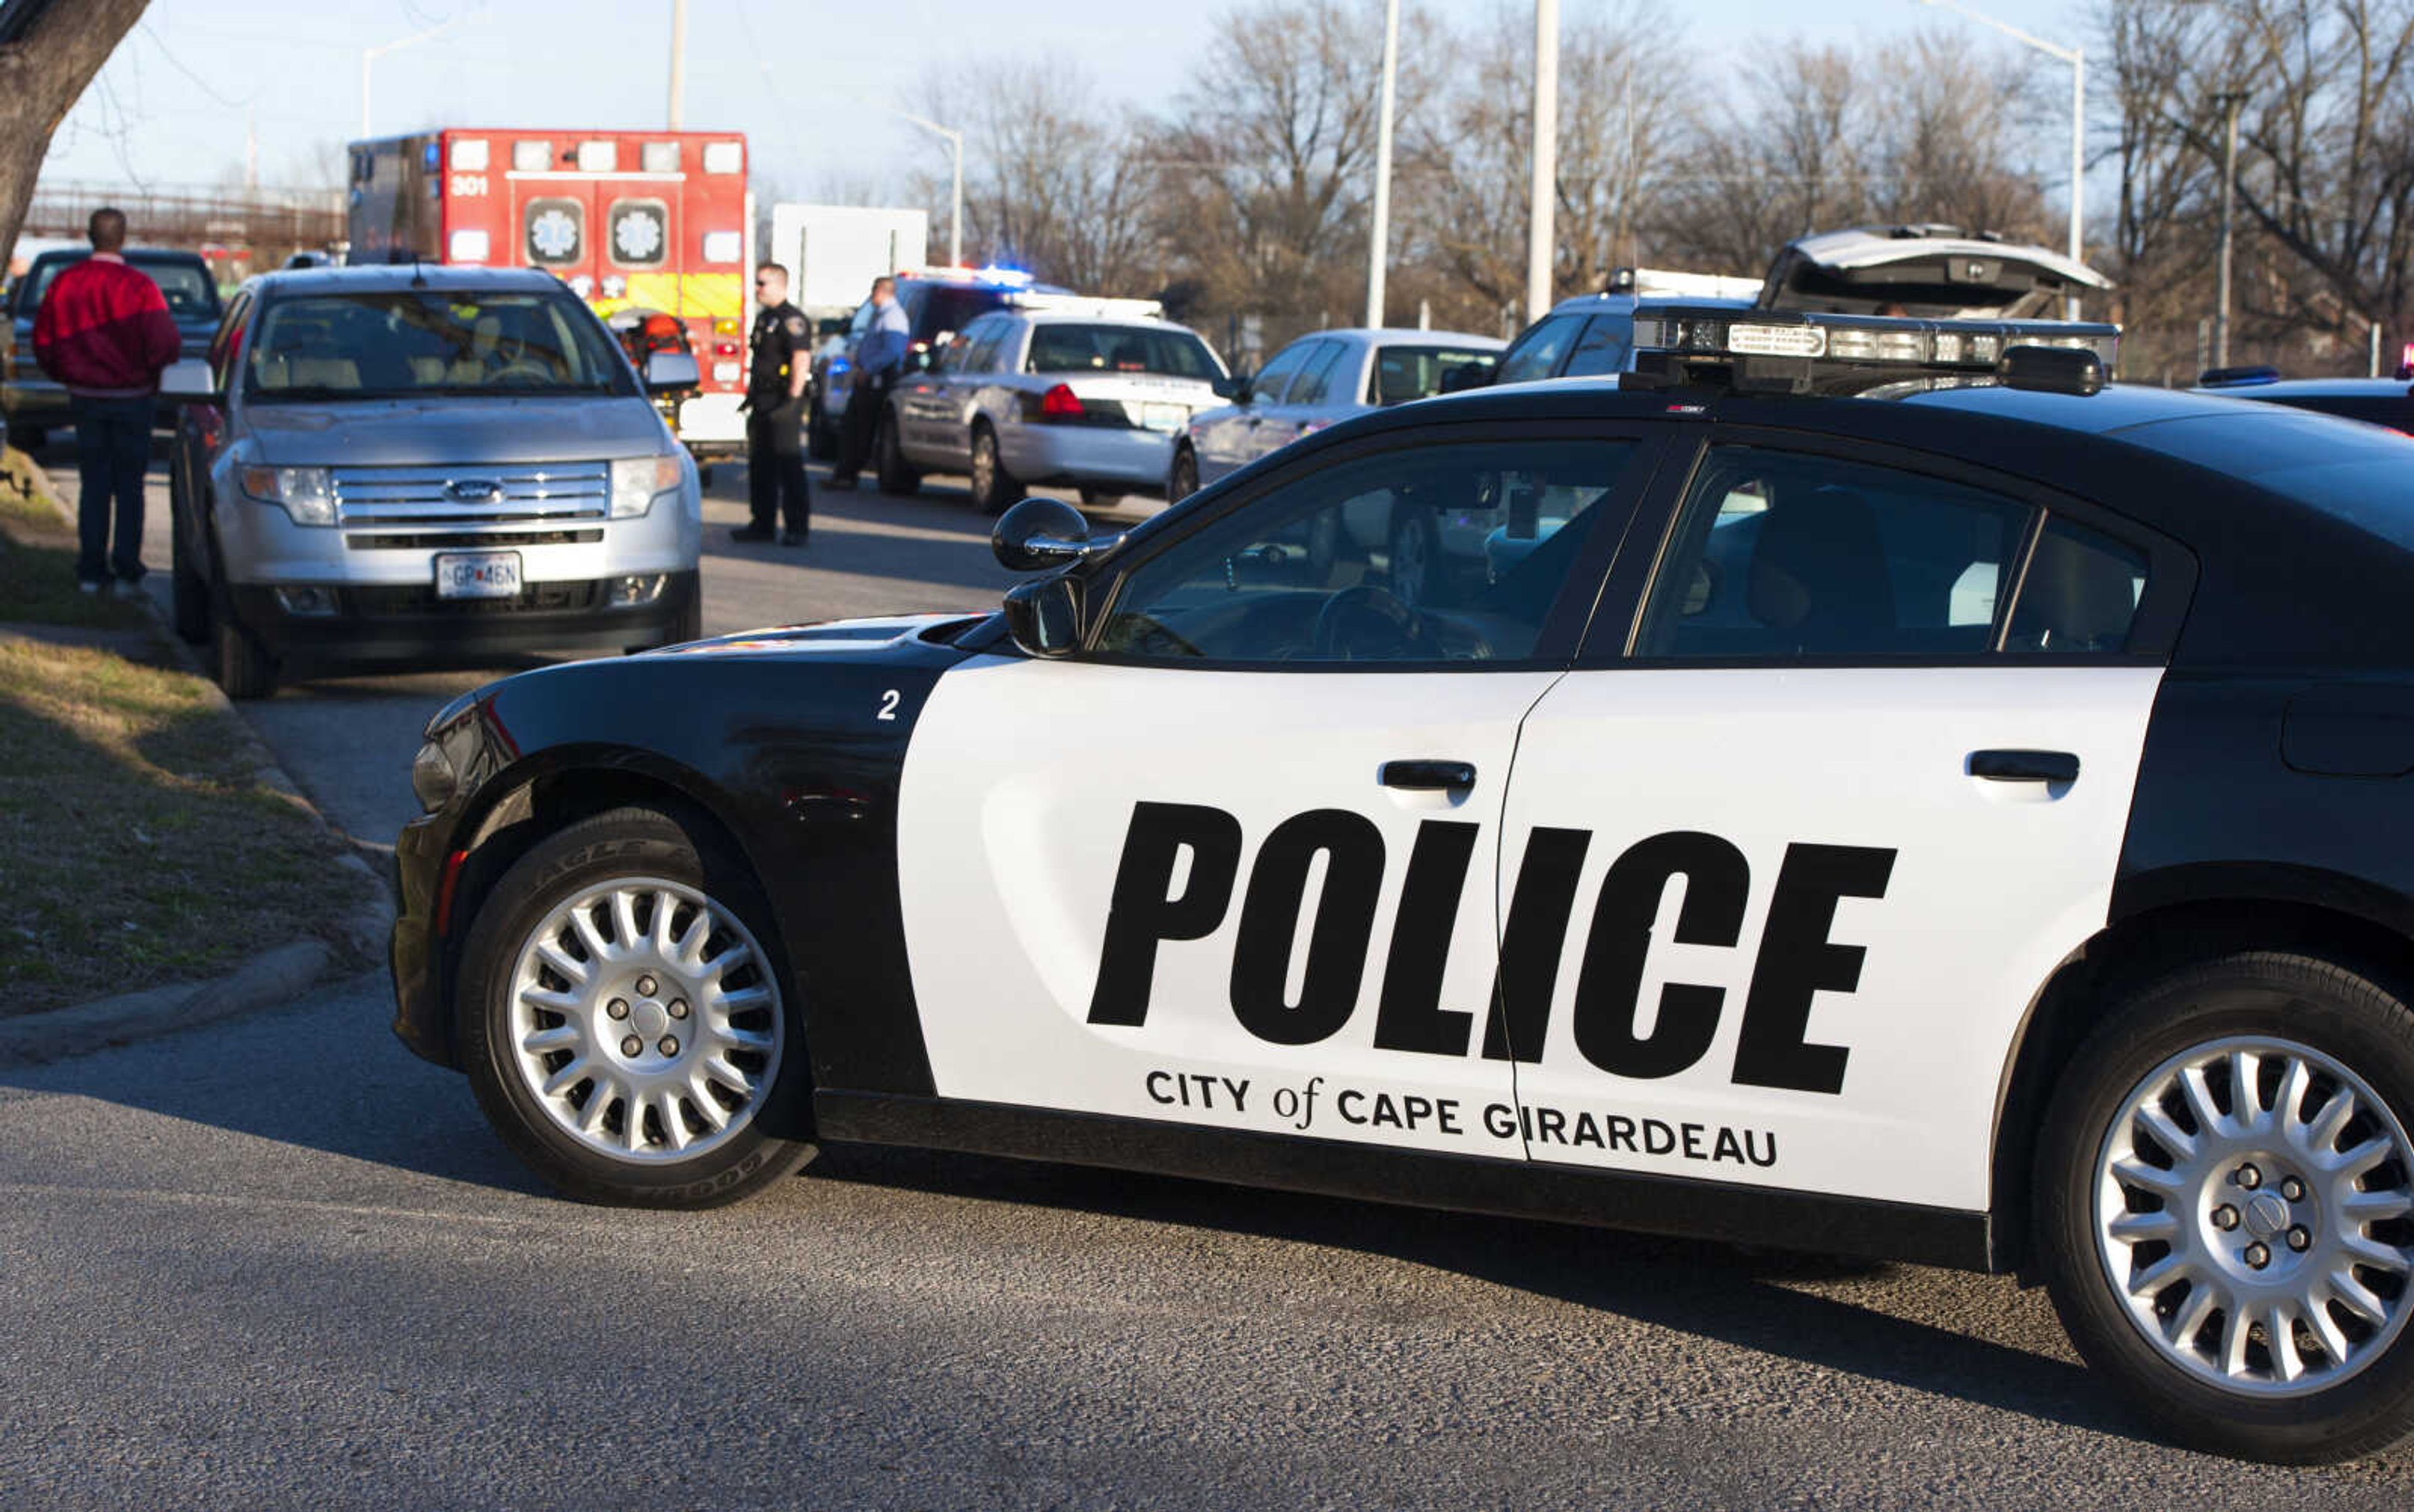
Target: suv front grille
{"x": 419, "y": 599}
{"x": 364, "y": 541}
{"x": 409, "y": 497}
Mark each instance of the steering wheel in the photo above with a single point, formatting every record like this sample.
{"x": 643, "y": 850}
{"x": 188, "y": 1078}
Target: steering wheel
{"x": 1367, "y": 623}
{"x": 521, "y": 368}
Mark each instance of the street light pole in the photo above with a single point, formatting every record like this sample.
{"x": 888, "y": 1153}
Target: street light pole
{"x": 678, "y": 63}
{"x": 1379, "y": 230}
{"x": 2077, "y": 58}
{"x": 2229, "y": 101}
{"x": 956, "y": 213}
{"x": 1541, "y": 232}
{"x": 370, "y": 55}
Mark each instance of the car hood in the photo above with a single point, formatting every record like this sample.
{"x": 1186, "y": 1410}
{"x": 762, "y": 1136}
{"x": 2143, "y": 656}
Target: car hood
{"x": 864, "y": 639}
{"x": 1933, "y": 272}
{"x": 449, "y": 429}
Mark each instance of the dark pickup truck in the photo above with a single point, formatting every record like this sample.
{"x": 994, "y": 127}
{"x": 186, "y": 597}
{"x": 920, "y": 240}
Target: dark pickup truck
{"x": 32, "y": 401}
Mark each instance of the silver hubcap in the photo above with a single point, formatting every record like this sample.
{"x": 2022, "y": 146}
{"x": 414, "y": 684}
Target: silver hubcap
{"x": 2252, "y": 1206}
{"x": 644, "y": 1021}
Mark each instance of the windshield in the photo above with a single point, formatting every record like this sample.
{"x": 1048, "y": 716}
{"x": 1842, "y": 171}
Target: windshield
{"x": 399, "y": 342}
{"x": 190, "y": 295}
{"x": 1120, "y": 349}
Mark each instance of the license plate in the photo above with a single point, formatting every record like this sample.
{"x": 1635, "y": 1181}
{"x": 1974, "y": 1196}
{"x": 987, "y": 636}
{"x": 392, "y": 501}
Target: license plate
{"x": 477, "y": 575}
{"x": 1168, "y": 417}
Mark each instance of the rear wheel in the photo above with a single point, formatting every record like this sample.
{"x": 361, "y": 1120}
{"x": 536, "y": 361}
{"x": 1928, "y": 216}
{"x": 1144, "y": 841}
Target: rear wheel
{"x": 243, "y": 665}
{"x": 1095, "y": 496}
{"x": 622, "y": 1017}
{"x": 2225, "y": 1202}
{"x": 821, "y": 437}
{"x": 1182, "y": 481}
{"x": 889, "y": 460}
{"x": 993, "y": 487}
{"x": 188, "y": 592}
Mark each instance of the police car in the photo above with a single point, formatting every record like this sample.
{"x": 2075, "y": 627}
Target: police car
{"x": 1964, "y": 823}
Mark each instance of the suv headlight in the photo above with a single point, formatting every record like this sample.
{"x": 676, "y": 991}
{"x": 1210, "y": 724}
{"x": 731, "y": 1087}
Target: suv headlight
{"x": 306, "y": 493}
{"x": 636, "y": 480}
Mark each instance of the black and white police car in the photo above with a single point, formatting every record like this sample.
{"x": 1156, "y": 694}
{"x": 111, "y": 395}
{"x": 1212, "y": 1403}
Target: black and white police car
{"x": 1964, "y": 823}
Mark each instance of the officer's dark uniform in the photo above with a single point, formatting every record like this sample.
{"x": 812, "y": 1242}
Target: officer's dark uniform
{"x": 775, "y": 456}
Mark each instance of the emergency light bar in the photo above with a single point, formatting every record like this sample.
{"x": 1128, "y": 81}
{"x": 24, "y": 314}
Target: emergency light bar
{"x": 1797, "y": 352}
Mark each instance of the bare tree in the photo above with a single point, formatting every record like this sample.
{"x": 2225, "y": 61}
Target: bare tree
{"x": 1787, "y": 154}
{"x": 42, "y": 74}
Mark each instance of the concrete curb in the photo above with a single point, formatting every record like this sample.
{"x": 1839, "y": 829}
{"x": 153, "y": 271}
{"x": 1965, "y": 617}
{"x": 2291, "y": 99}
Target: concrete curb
{"x": 270, "y": 978}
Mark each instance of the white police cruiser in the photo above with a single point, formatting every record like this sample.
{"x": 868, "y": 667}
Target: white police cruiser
{"x": 1963, "y": 822}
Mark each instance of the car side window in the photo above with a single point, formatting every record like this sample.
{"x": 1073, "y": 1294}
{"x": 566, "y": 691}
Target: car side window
{"x": 1434, "y": 555}
{"x": 1602, "y": 348}
{"x": 1784, "y": 555}
{"x": 228, "y": 341}
{"x": 1538, "y": 353}
{"x": 1316, "y": 381}
{"x": 1276, "y": 376}
{"x": 2079, "y": 595}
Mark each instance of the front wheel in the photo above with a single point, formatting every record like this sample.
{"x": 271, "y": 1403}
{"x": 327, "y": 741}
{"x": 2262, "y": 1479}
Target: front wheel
{"x": 2225, "y": 1202}
{"x": 244, "y": 667}
{"x": 624, "y": 1020}
{"x": 188, "y": 592}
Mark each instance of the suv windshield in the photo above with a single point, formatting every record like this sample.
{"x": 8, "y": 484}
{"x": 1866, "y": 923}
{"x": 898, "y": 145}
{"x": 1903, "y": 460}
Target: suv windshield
{"x": 1119, "y": 348}
{"x": 191, "y": 296}
{"x": 391, "y": 343}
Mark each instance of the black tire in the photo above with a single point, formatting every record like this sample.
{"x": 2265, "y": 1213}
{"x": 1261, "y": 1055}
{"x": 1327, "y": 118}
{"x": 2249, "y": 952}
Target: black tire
{"x": 188, "y": 592}
{"x": 1415, "y": 561}
{"x": 2334, "y": 1010}
{"x": 821, "y": 437}
{"x": 690, "y": 623}
{"x": 243, "y": 665}
{"x": 28, "y": 438}
{"x": 629, "y": 844}
{"x": 1181, "y": 479}
{"x": 889, "y": 460}
{"x": 994, "y": 489}
{"x": 704, "y": 475}
{"x": 1098, "y": 496}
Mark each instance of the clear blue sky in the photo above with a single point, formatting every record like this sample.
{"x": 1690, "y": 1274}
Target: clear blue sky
{"x": 811, "y": 81}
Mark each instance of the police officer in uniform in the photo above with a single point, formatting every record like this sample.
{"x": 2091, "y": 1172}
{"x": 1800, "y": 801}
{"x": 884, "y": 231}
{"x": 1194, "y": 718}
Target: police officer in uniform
{"x": 779, "y": 363}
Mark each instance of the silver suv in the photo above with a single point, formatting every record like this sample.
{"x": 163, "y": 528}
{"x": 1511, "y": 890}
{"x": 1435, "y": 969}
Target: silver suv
{"x": 415, "y": 465}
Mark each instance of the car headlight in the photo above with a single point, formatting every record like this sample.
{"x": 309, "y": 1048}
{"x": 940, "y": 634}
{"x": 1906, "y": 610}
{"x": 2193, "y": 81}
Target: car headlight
{"x": 636, "y": 480}
{"x": 306, "y": 493}
{"x": 432, "y": 776}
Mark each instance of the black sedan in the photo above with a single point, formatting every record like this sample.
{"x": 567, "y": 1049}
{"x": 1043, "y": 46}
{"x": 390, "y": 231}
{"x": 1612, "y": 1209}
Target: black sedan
{"x": 1925, "y": 804}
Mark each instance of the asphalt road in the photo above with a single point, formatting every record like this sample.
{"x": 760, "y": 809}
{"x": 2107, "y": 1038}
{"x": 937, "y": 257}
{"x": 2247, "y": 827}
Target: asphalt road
{"x": 281, "y": 1262}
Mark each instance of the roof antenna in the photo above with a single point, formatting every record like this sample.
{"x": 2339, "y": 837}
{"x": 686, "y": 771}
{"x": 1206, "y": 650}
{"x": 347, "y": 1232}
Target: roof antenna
{"x": 418, "y": 278}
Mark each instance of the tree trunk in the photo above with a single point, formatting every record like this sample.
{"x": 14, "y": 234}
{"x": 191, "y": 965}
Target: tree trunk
{"x": 42, "y": 74}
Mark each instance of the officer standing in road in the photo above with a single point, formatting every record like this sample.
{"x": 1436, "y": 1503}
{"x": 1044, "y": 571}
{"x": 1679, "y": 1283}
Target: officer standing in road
{"x": 878, "y": 358}
{"x": 779, "y": 363}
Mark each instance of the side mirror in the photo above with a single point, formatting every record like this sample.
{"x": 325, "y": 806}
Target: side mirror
{"x": 1044, "y": 617}
{"x": 1229, "y": 388}
{"x": 1040, "y": 534}
{"x": 188, "y": 381}
{"x": 831, "y": 326}
{"x": 667, "y": 371}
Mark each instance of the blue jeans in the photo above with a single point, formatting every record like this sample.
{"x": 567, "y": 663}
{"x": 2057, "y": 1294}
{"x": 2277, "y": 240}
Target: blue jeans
{"x": 112, "y": 452}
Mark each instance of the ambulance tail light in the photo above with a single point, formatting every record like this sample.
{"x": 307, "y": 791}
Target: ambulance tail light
{"x": 467, "y": 246}
{"x": 724, "y": 246}
{"x": 725, "y": 349}
{"x": 725, "y": 372}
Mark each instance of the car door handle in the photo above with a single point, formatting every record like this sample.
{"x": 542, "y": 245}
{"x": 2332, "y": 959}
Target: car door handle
{"x": 2024, "y": 766}
{"x": 1429, "y": 776}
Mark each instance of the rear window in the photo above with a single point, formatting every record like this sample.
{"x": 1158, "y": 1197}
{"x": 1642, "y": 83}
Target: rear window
{"x": 395, "y": 343}
{"x": 946, "y": 308}
{"x": 2362, "y": 474}
{"x": 1405, "y": 373}
{"x": 190, "y": 295}
{"x": 1119, "y": 348}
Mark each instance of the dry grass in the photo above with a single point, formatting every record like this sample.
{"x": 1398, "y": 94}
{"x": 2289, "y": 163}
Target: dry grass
{"x": 135, "y": 847}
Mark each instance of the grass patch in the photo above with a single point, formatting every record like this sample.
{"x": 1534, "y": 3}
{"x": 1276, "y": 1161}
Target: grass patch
{"x": 135, "y": 846}
{"x": 38, "y": 550}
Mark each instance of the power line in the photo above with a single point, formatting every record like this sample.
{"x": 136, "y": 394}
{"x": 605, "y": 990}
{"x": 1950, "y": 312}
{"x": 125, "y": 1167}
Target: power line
{"x": 198, "y": 83}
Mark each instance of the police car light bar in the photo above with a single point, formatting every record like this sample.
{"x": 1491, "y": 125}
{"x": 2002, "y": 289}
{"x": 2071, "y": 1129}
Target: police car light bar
{"x": 1796, "y": 352}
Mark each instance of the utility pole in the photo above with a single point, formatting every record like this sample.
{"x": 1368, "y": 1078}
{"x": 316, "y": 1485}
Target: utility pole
{"x": 1541, "y": 232}
{"x": 2229, "y": 101}
{"x": 955, "y": 140}
{"x": 1378, "y": 232}
{"x": 370, "y": 55}
{"x": 678, "y": 63}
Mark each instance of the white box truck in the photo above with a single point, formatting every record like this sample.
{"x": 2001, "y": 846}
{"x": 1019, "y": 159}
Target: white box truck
{"x": 833, "y": 251}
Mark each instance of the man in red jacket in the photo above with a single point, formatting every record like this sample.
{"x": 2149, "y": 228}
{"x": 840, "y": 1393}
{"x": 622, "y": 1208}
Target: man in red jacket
{"x": 104, "y": 333}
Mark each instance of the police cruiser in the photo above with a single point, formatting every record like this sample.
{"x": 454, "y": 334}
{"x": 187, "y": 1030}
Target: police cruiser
{"x": 1880, "y": 791}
